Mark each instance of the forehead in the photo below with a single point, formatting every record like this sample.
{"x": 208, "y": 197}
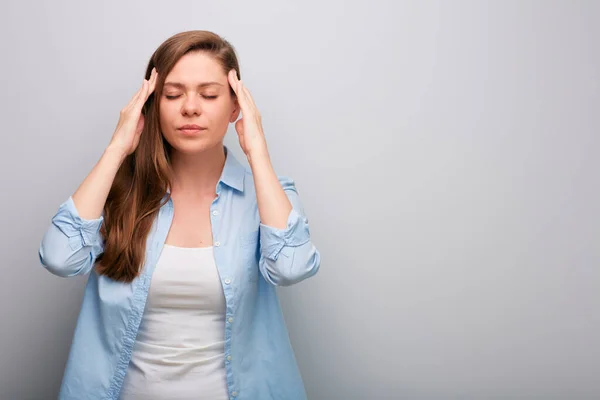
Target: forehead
{"x": 196, "y": 67}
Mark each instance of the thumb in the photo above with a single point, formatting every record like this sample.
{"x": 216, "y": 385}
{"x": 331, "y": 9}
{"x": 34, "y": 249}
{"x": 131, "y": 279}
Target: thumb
{"x": 239, "y": 126}
{"x": 140, "y": 125}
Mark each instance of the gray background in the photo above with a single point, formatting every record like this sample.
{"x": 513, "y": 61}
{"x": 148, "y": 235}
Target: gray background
{"x": 446, "y": 154}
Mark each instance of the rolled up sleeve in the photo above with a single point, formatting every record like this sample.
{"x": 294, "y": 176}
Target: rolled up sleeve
{"x": 288, "y": 255}
{"x": 71, "y": 244}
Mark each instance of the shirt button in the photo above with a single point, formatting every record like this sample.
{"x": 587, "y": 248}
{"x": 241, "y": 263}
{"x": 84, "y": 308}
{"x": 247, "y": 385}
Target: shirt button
{"x": 230, "y": 320}
{"x": 215, "y": 212}
{"x": 234, "y": 394}
{"x": 228, "y": 358}
{"x": 217, "y": 244}
{"x": 227, "y": 281}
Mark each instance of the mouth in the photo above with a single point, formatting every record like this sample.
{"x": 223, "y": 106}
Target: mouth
{"x": 191, "y": 129}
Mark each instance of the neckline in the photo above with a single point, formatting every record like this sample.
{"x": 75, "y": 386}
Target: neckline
{"x": 203, "y": 248}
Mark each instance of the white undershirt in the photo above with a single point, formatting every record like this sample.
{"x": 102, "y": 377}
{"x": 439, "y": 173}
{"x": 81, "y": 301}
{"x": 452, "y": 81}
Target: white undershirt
{"x": 179, "y": 348}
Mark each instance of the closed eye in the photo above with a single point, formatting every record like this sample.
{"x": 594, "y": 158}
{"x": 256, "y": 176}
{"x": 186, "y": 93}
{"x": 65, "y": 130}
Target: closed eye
{"x": 206, "y": 97}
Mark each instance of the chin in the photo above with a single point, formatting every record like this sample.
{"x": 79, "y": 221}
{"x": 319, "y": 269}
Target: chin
{"x": 187, "y": 145}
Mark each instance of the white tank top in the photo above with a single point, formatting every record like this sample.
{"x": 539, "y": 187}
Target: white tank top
{"x": 179, "y": 348}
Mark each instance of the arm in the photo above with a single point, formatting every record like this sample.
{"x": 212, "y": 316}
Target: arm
{"x": 287, "y": 255}
{"x": 73, "y": 241}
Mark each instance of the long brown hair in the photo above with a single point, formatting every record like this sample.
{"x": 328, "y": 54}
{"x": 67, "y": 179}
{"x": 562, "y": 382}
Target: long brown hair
{"x": 140, "y": 186}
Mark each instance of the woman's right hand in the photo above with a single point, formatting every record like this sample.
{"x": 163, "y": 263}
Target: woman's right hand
{"x": 131, "y": 121}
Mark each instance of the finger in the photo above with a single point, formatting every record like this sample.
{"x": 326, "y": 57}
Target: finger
{"x": 142, "y": 97}
{"x": 241, "y": 97}
{"x": 248, "y": 101}
{"x": 153, "y": 79}
{"x": 232, "y": 79}
{"x": 142, "y": 92}
{"x": 235, "y": 83}
{"x": 249, "y": 96}
{"x": 239, "y": 127}
{"x": 135, "y": 97}
{"x": 237, "y": 86}
{"x": 151, "y": 85}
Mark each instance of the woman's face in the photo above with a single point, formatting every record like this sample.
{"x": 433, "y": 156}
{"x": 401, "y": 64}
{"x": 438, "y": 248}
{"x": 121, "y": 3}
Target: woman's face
{"x": 196, "y": 105}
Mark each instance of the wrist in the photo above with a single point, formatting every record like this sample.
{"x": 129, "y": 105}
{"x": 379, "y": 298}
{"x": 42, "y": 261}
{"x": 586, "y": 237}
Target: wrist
{"x": 115, "y": 153}
{"x": 258, "y": 154}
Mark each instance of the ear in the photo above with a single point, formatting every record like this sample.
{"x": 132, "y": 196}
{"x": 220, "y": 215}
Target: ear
{"x": 236, "y": 111}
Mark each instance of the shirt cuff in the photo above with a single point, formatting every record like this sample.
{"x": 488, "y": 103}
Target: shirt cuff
{"x": 273, "y": 240}
{"x": 67, "y": 219}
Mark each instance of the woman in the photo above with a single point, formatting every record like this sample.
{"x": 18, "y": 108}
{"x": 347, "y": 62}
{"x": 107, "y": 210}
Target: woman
{"x": 184, "y": 245}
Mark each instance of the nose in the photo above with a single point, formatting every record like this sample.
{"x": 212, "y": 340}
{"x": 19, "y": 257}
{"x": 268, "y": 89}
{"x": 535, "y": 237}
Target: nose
{"x": 191, "y": 105}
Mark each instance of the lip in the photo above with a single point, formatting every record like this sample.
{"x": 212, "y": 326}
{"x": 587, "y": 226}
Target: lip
{"x": 191, "y": 129}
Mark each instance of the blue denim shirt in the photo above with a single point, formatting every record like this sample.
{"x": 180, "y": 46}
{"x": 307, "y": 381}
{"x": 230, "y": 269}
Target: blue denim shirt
{"x": 252, "y": 259}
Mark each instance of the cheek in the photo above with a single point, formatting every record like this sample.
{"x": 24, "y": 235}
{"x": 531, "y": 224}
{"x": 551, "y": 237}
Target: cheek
{"x": 168, "y": 113}
{"x": 223, "y": 110}
{"x": 212, "y": 112}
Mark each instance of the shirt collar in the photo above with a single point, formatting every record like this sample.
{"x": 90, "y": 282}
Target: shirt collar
{"x": 233, "y": 173}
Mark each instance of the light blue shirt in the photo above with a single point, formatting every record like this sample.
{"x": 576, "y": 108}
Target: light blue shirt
{"x": 252, "y": 259}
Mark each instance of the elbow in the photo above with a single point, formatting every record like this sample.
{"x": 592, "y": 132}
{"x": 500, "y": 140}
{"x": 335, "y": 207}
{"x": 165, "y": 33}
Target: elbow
{"x": 70, "y": 244}
{"x": 295, "y": 278}
{"x": 292, "y": 266}
{"x": 51, "y": 263}
{"x": 59, "y": 265}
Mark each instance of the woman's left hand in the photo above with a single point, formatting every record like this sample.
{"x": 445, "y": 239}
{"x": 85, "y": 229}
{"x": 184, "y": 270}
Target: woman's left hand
{"x": 249, "y": 127}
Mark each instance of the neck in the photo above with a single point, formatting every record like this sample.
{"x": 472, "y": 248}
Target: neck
{"x": 197, "y": 174}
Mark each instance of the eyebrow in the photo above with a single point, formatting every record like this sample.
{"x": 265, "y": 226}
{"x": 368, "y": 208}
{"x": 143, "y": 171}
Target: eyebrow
{"x": 182, "y": 86}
